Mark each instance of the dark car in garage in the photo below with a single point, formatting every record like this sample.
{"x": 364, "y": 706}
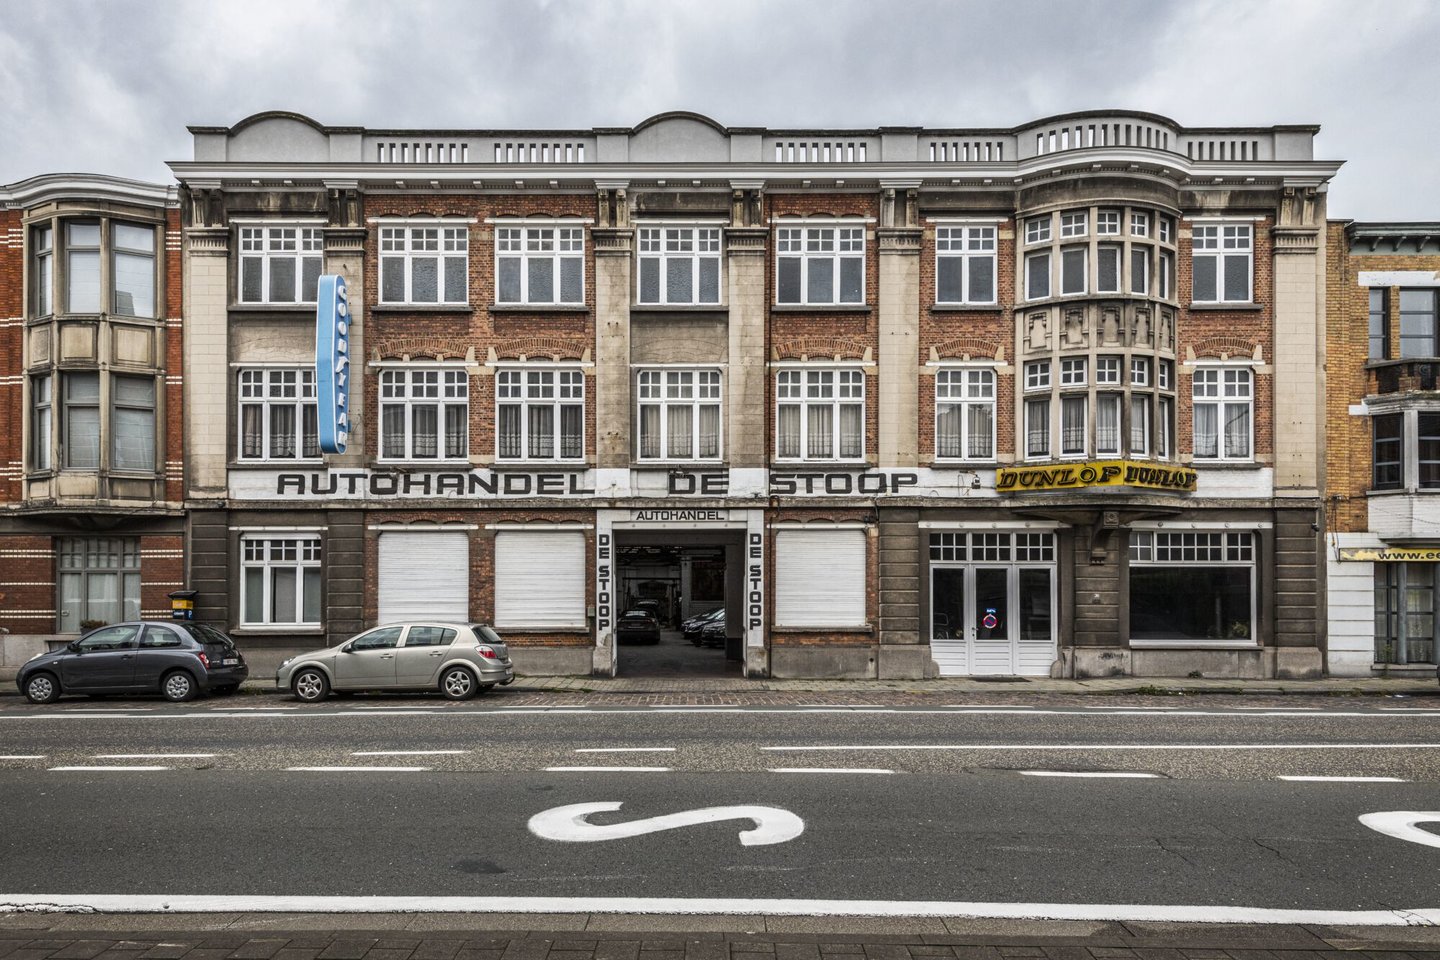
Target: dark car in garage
{"x": 637, "y": 626}
{"x": 176, "y": 659}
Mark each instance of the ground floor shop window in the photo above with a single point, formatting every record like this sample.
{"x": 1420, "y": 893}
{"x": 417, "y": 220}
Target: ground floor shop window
{"x": 1192, "y": 586}
{"x": 1405, "y": 612}
{"x": 99, "y": 581}
{"x": 280, "y": 581}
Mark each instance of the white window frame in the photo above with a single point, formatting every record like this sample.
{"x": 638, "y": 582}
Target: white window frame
{"x": 810, "y": 243}
{"x": 269, "y": 387}
{"x": 258, "y": 551}
{"x": 1140, "y": 269}
{"x": 1074, "y": 223}
{"x": 1183, "y": 549}
{"x": 1102, "y": 252}
{"x": 413, "y": 388}
{"x": 1073, "y": 372}
{"x": 42, "y": 265}
{"x": 556, "y": 387}
{"x": 1037, "y": 230}
{"x": 1107, "y": 223}
{"x": 1224, "y": 243}
{"x": 970, "y": 389}
{"x": 1033, "y": 268}
{"x": 1165, "y": 428}
{"x": 42, "y": 419}
{"x": 1083, "y": 399}
{"x": 1068, "y": 275}
{"x": 261, "y": 245}
{"x": 965, "y": 245}
{"x": 1045, "y": 423}
{"x": 409, "y": 242}
{"x": 1115, "y": 400}
{"x": 1037, "y": 375}
{"x": 806, "y": 387}
{"x": 1221, "y": 373}
{"x": 524, "y": 243}
{"x": 1165, "y": 228}
{"x": 668, "y": 389}
{"x": 667, "y": 244}
{"x": 1108, "y": 370}
{"x": 1139, "y": 223}
{"x": 1165, "y": 276}
{"x": 1139, "y": 371}
{"x": 1141, "y": 409}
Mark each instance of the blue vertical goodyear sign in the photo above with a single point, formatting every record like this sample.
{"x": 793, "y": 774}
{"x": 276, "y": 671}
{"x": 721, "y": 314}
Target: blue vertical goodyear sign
{"x": 332, "y": 363}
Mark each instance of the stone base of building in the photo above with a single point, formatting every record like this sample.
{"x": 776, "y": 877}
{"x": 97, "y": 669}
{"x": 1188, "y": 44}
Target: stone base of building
{"x": 1251, "y": 663}
{"x": 15, "y": 649}
{"x": 825, "y": 662}
{"x": 552, "y": 661}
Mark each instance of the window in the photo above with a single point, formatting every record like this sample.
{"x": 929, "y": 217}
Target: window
{"x": 1428, "y": 435}
{"x": 280, "y": 581}
{"x": 1072, "y": 270}
{"x": 1139, "y": 425}
{"x": 385, "y": 638}
{"x": 132, "y": 427}
{"x": 1388, "y": 452}
{"x": 1417, "y": 323}
{"x": 1140, "y": 270}
{"x": 1107, "y": 223}
{"x": 421, "y": 409}
{"x": 1107, "y": 278}
{"x": 99, "y": 581}
{"x": 42, "y": 271}
{"x": 541, "y": 414}
{"x": 429, "y": 637}
{"x": 41, "y": 414}
{"x": 679, "y": 414}
{"x": 965, "y": 264}
{"x": 1072, "y": 372}
{"x": 1037, "y": 375}
{"x": 80, "y": 438}
{"x": 1073, "y": 224}
{"x": 1222, "y": 398}
{"x": 1037, "y": 276}
{"x": 1192, "y": 585}
{"x": 278, "y": 418}
{"x": 540, "y": 265}
{"x": 965, "y": 414}
{"x": 821, "y": 415}
{"x": 281, "y": 264}
{"x": 1107, "y": 369}
{"x": 1167, "y": 229}
{"x": 1037, "y": 230}
{"x": 1107, "y": 423}
{"x": 1139, "y": 224}
{"x": 425, "y": 264}
{"x": 1037, "y": 428}
{"x": 679, "y": 265}
{"x": 1072, "y": 426}
{"x": 1165, "y": 276}
{"x": 820, "y": 265}
{"x": 1379, "y": 323}
{"x": 1405, "y": 612}
{"x": 1165, "y": 373}
{"x": 1140, "y": 371}
{"x": 1165, "y": 435}
{"x": 132, "y": 270}
{"x": 1221, "y": 263}
{"x": 82, "y": 267}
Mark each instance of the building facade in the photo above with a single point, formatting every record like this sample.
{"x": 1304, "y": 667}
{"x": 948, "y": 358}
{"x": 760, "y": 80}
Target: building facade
{"x": 92, "y": 524}
{"x": 1383, "y": 455}
{"x": 907, "y": 402}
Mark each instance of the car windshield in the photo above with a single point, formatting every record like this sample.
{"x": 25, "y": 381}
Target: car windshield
{"x": 635, "y": 615}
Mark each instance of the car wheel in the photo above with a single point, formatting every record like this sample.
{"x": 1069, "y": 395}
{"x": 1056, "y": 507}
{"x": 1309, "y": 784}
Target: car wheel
{"x": 42, "y": 688}
{"x": 177, "y": 686}
{"x": 457, "y": 683}
{"x": 310, "y": 685}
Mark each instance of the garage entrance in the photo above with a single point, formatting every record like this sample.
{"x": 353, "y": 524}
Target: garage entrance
{"x": 678, "y": 575}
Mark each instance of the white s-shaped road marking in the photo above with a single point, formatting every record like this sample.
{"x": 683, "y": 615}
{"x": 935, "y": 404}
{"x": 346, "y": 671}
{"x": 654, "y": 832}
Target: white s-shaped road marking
{"x": 569, "y": 824}
{"x": 1400, "y": 824}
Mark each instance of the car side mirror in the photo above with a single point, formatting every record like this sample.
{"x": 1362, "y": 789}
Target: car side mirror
{"x": 73, "y": 646}
{"x": 348, "y": 648}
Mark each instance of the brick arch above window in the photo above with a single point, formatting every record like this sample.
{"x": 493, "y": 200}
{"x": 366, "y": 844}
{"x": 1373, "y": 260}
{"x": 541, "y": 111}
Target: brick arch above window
{"x": 399, "y": 218}
{"x": 967, "y": 348}
{"x": 821, "y": 348}
{"x": 1226, "y": 348}
{"x": 423, "y": 348}
{"x": 539, "y": 348}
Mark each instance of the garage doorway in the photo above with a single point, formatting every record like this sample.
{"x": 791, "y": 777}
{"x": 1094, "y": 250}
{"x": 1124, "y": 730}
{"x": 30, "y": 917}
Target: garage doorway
{"x": 679, "y": 576}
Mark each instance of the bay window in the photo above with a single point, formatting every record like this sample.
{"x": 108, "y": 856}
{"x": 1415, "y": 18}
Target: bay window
{"x": 280, "y": 263}
{"x": 1107, "y": 278}
{"x": 1222, "y": 398}
{"x": 820, "y": 265}
{"x": 132, "y": 270}
{"x": 820, "y": 414}
{"x": 82, "y": 267}
{"x": 132, "y": 424}
{"x": 1072, "y": 425}
{"x": 41, "y": 418}
{"x": 1140, "y": 270}
{"x": 80, "y": 427}
{"x": 1388, "y": 452}
{"x": 1037, "y": 428}
{"x": 1379, "y": 323}
{"x": 1037, "y": 275}
{"x": 1139, "y": 425}
{"x": 679, "y": 414}
{"x": 280, "y": 581}
{"x": 965, "y": 414}
{"x": 424, "y": 265}
{"x": 42, "y": 266}
{"x": 679, "y": 265}
{"x": 424, "y": 414}
{"x": 1417, "y": 323}
{"x": 540, "y": 414}
{"x": 1073, "y": 269}
{"x": 1107, "y": 423}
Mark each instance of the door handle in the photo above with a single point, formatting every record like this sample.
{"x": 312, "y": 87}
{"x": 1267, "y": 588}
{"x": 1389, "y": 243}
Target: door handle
{"x": 127, "y": 656}
{"x": 437, "y": 653}
{"x": 387, "y": 656}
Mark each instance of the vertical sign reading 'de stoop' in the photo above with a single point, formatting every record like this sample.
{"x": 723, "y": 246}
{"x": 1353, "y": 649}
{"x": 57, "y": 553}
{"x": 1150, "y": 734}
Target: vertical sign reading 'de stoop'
{"x": 332, "y": 363}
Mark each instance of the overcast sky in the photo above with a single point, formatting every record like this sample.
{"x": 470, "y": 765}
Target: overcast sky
{"x": 109, "y": 86}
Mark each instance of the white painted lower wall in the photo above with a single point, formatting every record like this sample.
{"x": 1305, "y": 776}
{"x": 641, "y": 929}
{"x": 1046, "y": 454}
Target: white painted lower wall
{"x": 1350, "y": 613}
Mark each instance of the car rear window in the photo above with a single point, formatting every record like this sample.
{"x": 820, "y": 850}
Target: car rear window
{"x": 204, "y": 633}
{"x": 484, "y": 634}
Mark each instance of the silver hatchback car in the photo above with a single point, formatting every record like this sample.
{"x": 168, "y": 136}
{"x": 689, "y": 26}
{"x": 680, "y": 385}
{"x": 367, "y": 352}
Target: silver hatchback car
{"x": 458, "y": 659}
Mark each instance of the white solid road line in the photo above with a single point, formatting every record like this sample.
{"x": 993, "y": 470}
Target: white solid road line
{"x": 624, "y": 749}
{"x": 153, "y": 756}
{"x": 829, "y": 770}
{"x": 1346, "y": 779}
{"x": 98, "y": 767}
{"x": 607, "y": 769}
{"x": 1108, "y": 746}
{"x": 22, "y": 756}
{"x": 357, "y": 769}
{"x": 406, "y": 753}
{"x": 1098, "y": 774}
{"x": 1112, "y": 912}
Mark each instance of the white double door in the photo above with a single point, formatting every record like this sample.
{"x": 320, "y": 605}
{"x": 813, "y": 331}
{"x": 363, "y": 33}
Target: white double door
{"x": 992, "y": 619}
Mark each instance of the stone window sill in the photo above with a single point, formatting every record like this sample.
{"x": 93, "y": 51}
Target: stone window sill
{"x": 284, "y": 308}
{"x": 539, "y": 308}
{"x": 965, "y": 308}
{"x": 855, "y": 308}
{"x": 1226, "y": 307}
{"x": 866, "y": 630}
{"x": 421, "y": 308}
{"x": 691, "y": 308}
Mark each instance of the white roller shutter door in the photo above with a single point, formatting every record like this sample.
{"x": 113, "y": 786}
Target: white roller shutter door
{"x": 820, "y": 578}
{"x": 540, "y": 579}
{"x": 424, "y": 576}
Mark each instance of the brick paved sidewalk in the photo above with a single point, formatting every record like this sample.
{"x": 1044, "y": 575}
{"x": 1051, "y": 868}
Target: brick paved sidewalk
{"x": 612, "y": 937}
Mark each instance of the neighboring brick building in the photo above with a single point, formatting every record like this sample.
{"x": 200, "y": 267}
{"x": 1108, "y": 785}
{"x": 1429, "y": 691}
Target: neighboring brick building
{"x": 1383, "y": 453}
{"x": 91, "y": 410}
{"x": 905, "y": 401}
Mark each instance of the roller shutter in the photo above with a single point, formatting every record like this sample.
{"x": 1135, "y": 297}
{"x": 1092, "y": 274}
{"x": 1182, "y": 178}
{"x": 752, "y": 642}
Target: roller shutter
{"x": 540, "y": 579}
{"x": 820, "y": 578}
{"x": 424, "y": 576}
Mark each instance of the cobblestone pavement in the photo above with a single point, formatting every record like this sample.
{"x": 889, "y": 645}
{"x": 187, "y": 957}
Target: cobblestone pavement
{"x": 611, "y": 937}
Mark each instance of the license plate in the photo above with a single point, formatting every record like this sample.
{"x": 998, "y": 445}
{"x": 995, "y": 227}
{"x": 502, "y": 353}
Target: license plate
{"x": 230, "y": 662}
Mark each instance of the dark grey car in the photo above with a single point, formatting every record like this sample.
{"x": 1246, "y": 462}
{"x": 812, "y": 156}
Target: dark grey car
{"x": 176, "y": 659}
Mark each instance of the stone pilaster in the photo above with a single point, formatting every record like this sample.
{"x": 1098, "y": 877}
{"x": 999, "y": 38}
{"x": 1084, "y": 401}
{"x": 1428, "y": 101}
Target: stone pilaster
{"x": 613, "y": 269}
{"x": 897, "y": 362}
{"x": 345, "y": 255}
{"x": 206, "y": 353}
{"x": 746, "y": 442}
{"x": 1299, "y": 305}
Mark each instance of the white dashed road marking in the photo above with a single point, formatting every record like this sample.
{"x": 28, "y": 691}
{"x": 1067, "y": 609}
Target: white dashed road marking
{"x": 1097, "y": 774}
{"x": 406, "y": 753}
{"x": 104, "y": 768}
{"x": 607, "y": 769}
{"x": 829, "y": 770}
{"x": 153, "y": 756}
{"x": 624, "y": 749}
{"x": 357, "y": 769}
{"x": 1345, "y": 779}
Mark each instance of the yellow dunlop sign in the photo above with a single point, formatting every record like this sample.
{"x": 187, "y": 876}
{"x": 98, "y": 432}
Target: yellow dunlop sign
{"x": 1095, "y": 473}
{"x": 1391, "y": 554}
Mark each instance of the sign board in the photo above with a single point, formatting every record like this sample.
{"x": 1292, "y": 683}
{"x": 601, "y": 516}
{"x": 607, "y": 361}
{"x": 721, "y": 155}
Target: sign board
{"x": 332, "y": 363}
{"x": 1095, "y": 473}
{"x": 1392, "y": 554}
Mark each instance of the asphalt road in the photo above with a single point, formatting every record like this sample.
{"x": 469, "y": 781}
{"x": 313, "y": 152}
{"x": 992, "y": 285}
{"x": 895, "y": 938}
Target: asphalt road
{"x": 954, "y": 803}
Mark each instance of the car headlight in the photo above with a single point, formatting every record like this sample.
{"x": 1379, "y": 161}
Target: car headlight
{"x": 286, "y": 661}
